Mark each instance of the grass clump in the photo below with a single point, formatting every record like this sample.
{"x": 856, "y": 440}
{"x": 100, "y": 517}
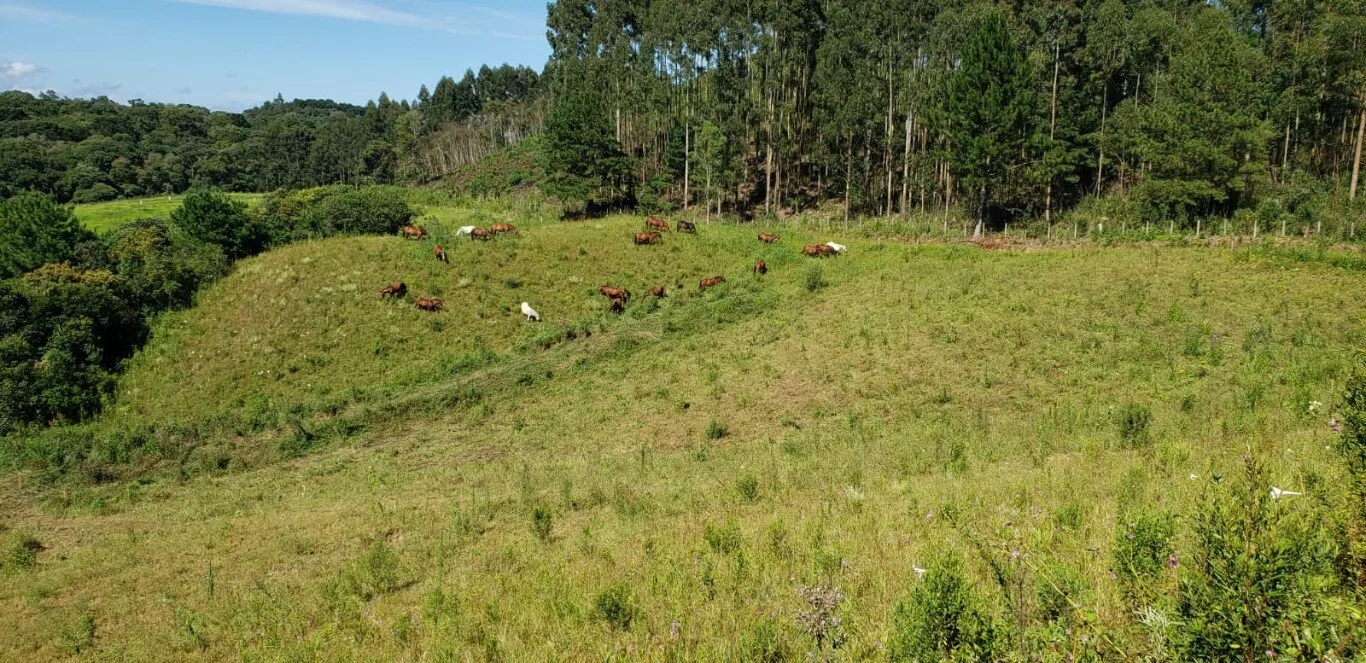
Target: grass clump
{"x": 723, "y": 539}
{"x": 814, "y": 279}
{"x": 715, "y": 430}
{"x": 541, "y": 522}
{"x": 374, "y": 574}
{"x": 615, "y": 606}
{"x": 1143, "y": 547}
{"x": 23, "y": 554}
{"x": 1134, "y": 422}
{"x": 748, "y": 487}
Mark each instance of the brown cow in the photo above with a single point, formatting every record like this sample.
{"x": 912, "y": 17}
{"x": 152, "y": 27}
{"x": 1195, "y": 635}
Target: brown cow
{"x": 767, "y": 238}
{"x": 760, "y": 267}
{"x": 440, "y": 253}
{"x": 657, "y": 291}
{"x": 656, "y": 223}
{"x": 710, "y": 282}
{"x": 414, "y": 232}
{"x": 481, "y": 233}
{"x": 818, "y": 250}
{"x": 614, "y": 292}
{"x": 646, "y": 238}
{"x": 502, "y": 228}
{"x": 429, "y": 303}
{"x": 686, "y": 226}
{"x": 397, "y": 290}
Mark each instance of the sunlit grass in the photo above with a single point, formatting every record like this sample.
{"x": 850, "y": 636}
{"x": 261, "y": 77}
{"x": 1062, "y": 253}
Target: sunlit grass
{"x": 111, "y": 215}
{"x": 689, "y": 464}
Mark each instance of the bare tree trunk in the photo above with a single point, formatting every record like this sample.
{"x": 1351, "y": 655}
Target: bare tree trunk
{"x": 1052, "y": 133}
{"x": 906, "y": 168}
{"x": 887, "y": 141}
{"x": 848, "y": 174}
{"x": 687, "y": 165}
{"x": 1356, "y": 160}
{"x": 1100, "y": 159}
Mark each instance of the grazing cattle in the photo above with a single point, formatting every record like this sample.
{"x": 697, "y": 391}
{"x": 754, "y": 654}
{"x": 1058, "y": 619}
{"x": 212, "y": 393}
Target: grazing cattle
{"x": 429, "y": 303}
{"x": 481, "y": 233}
{"x": 414, "y": 232}
{"x": 816, "y": 250}
{"x": 440, "y": 253}
{"x": 530, "y": 313}
{"x": 618, "y": 305}
{"x": 499, "y": 228}
{"x": 710, "y": 282}
{"x": 614, "y": 292}
{"x": 657, "y": 291}
{"x": 397, "y": 290}
{"x": 656, "y": 223}
{"x": 838, "y": 248}
{"x": 686, "y": 226}
{"x": 760, "y": 268}
{"x": 646, "y": 238}
{"x": 464, "y": 230}
{"x": 768, "y": 238}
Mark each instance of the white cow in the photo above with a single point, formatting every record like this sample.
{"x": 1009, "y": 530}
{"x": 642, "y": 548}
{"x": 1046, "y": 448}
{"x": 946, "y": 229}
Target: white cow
{"x": 530, "y": 313}
{"x": 839, "y": 248}
{"x": 464, "y": 230}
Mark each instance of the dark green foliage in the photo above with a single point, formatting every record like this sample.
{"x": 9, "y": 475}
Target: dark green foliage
{"x": 541, "y": 522}
{"x": 335, "y": 210}
{"x": 943, "y": 619}
{"x": 814, "y": 279}
{"x": 748, "y": 487}
{"x": 215, "y": 218}
{"x": 715, "y": 430}
{"x": 583, "y": 159}
{"x": 615, "y": 606}
{"x": 159, "y": 266}
{"x": 1134, "y": 421}
{"x": 35, "y": 231}
{"x": 1260, "y": 577}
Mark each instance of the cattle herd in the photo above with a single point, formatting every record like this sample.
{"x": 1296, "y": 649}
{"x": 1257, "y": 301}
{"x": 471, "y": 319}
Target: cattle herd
{"x": 655, "y": 227}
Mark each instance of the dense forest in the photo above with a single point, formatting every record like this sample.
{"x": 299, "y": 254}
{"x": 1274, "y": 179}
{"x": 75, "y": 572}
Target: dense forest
{"x": 1171, "y": 109}
{"x": 80, "y": 150}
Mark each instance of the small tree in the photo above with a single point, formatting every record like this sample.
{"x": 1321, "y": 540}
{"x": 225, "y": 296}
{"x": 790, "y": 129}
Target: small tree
{"x": 214, "y": 217}
{"x": 583, "y": 159}
{"x": 34, "y": 231}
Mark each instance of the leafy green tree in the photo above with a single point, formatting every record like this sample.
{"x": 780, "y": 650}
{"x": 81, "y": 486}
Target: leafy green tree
{"x": 160, "y": 266}
{"x": 214, "y": 217}
{"x": 34, "y": 230}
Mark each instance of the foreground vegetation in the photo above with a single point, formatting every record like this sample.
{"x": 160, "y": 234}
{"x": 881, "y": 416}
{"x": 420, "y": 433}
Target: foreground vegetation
{"x": 1076, "y": 446}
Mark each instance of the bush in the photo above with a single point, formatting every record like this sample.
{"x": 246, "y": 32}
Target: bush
{"x": 723, "y": 539}
{"x": 1143, "y": 547}
{"x": 1260, "y": 579}
{"x": 216, "y": 218}
{"x": 748, "y": 487}
{"x": 541, "y": 522}
{"x": 1134, "y": 421}
{"x": 614, "y": 606}
{"x": 943, "y": 619}
{"x": 160, "y": 266}
{"x": 96, "y": 193}
{"x": 815, "y": 279}
{"x": 35, "y": 231}
{"x": 764, "y": 642}
{"x": 374, "y": 210}
{"x": 374, "y": 574}
{"x": 715, "y": 430}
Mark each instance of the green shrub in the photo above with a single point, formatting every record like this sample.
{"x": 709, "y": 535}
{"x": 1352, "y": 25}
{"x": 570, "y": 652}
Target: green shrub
{"x": 1060, "y": 591}
{"x": 1134, "y": 422}
{"x": 748, "y": 487}
{"x": 374, "y": 574}
{"x": 217, "y": 218}
{"x": 541, "y": 522}
{"x": 95, "y": 193}
{"x": 615, "y": 606}
{"x": 160, "y": 266}
{"x": 715, "y": 430}
{"x": 23, "y": 554}
{"x": 723, "y": 539}
{"x": 1260, "y": 579}
{"x": 333, "y": 210}
{"x": 815, "y": 279}
{"x": 943, "y": 619}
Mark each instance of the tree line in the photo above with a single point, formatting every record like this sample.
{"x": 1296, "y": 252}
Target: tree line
{"x": 1157, "y": 111}
{"x": 89, "y": 150}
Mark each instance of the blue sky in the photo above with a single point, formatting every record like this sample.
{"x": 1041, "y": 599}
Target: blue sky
{"x": 234, "y": 54}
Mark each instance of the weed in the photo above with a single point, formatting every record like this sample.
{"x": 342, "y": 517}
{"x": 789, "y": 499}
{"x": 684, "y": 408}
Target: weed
{"x": 1142, "y": 549}
{"x": 1134, "y": 422}
{"x": 943, "y": 619}
{"x": 764, "y": 642}
{"x": 748, "y": 487}
{"x": 724, "y": 539}
{"x": 374, "y": 574}
{"x": 23, "y": 555}
{"x": 541, "y": 522}
{"x": 715, "y": 431}
{"x": 615, "y": 606}
{"x": 814, "y": 279}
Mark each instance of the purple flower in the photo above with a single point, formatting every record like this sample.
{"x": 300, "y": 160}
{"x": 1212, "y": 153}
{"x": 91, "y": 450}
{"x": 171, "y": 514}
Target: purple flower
{"x": 1171, "y": 561}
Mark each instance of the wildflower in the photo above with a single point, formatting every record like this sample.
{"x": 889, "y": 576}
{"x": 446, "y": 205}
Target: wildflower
{"x": 1334, "y": 425}
{"x": 1171, "y": 561}
{"x": 1314, "y": 406}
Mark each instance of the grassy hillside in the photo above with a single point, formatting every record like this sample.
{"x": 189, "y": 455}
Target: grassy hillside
{"x": 661, "y": 484}
{"x": 107, "y": 216}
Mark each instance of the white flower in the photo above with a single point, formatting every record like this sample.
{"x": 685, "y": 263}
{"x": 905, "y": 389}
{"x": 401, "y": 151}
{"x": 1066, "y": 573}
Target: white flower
{"x": 1314, "y": 406}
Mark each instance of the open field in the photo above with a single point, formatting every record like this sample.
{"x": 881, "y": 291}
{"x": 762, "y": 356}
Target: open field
{"x": 354, "y": 479}
{"x": 107, "y": 216}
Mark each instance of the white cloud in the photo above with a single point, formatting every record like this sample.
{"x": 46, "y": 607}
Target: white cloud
{"x": 351, "y": 10}
{"x": 373, "y": 12}
{"x": 18, "y": 69}
{"x": 14, "y": 11}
